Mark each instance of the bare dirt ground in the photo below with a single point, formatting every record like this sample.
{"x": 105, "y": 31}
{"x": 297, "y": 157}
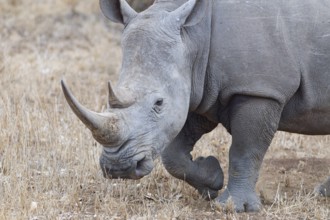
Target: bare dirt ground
{"x": 49, "y": 161}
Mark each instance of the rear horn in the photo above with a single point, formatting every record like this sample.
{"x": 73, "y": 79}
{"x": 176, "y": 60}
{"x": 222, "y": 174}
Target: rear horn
{"x": 116, "y": 101}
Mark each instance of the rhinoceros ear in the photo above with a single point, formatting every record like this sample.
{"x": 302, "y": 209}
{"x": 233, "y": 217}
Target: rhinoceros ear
{"x": 117, "y": 10}
{"x": 190, "y": 13}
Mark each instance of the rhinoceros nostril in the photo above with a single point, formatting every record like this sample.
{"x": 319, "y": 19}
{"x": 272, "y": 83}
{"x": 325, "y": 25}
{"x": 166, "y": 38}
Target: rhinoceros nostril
{"x": 139, "y": 164}
{"x": 143, "y": 167}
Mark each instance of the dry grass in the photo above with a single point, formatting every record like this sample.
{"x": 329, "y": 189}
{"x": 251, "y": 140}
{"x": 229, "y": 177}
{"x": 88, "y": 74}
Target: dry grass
{"x": 49, "y": 161}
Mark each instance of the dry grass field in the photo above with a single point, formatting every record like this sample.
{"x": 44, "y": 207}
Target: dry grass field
{"x": 49, "y": 161}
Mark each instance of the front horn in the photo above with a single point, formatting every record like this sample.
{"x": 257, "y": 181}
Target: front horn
{"x": 91, "y": 119}
{"x": 106, "y": 127}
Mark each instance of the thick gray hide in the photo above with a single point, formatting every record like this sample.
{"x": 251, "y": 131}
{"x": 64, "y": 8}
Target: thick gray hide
{"x": 254, "y": 66}
{"x": 269, "y": 69}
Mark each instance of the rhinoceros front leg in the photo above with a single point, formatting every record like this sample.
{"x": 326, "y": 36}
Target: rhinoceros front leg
{"x": 253, "y": 123}
{"x": 205, "y": 174}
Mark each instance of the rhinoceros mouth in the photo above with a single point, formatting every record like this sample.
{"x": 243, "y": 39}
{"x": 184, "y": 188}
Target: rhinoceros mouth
{"x": 132, "y": 169}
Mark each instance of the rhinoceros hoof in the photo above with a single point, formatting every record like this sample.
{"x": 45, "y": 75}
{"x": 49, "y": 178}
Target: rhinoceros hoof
{"x": 242, "y": 202}
{"x": 208, "y": 177}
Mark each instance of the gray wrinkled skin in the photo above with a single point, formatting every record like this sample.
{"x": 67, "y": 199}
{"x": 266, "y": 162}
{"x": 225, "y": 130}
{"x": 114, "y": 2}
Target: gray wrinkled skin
{"x": 255, "y": 67}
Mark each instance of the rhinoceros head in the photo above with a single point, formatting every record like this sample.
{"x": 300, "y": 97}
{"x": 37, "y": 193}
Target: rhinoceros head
{"x": 150, "y": 103}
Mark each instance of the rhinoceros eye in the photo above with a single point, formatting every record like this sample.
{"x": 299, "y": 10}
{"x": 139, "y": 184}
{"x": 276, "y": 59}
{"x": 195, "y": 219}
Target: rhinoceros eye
{"x": 159, "y": 102}
{"x": 158, "y": 105}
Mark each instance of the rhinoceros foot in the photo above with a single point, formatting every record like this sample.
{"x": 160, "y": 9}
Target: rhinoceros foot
{"x": 242, "y": 201}
{"x": 324, "y": 188}
{"x": 208, "y": 177}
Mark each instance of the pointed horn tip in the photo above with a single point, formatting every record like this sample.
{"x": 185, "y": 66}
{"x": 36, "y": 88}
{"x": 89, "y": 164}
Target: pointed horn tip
{"x": 71, "y": 100}
{"x": 109, "y": 85}
{"x": 66, "y": 91}
{"x": 113, "y": 99}
{"x": 62, "y": 82}
{"x": 111, "y": 91}
{"x": 63, "y": 85}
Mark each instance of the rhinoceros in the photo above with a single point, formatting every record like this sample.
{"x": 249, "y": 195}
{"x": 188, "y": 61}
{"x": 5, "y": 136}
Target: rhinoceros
{"x": 254, "y": 66}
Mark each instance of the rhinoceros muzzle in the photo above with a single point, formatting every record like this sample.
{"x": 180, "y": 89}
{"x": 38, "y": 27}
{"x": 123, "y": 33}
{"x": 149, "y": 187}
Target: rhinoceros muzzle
{"x": 128, "y": 170}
